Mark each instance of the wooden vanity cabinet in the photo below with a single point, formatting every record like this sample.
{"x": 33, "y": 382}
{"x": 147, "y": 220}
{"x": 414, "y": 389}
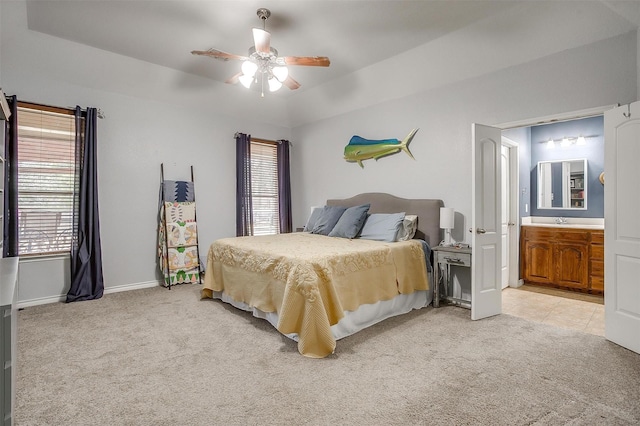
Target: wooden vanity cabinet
{"x": 597, "y": 261}
{"x": 561, "y": 257}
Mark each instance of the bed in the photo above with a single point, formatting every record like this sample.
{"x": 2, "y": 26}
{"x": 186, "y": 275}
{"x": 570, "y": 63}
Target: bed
{"x": 317, "y": 289}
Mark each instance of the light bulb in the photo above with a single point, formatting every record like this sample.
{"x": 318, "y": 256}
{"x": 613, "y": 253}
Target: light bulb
{"x": 249, "y": 68}
{"x": 550, "y": 144}
{"x": 274, "y": 84}
{"x": 280, "y": 73}
{"x": 581, "y": 141}
{"x": 565, "y": 142}
{"x": 246, "y": 80}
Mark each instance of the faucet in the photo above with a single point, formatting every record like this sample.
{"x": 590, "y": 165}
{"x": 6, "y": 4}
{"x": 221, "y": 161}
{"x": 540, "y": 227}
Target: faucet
{"x": 561, "y": 220}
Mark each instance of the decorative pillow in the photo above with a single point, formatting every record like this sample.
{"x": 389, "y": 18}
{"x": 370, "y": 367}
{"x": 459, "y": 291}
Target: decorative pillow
{"x": 351, "y": 221}
{"x": 328, "y": 219}
{"x": 313, "y": 218}
{"x": 409, "y": 227}
{"x": 382, "y": 226}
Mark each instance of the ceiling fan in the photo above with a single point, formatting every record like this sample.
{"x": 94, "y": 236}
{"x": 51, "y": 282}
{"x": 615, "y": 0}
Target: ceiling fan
{"x": 263, "y": 62}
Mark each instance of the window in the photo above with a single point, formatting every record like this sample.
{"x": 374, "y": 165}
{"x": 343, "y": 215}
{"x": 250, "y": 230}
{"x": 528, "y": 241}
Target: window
{"x": 46, "y": 170}
{"x": 264, "y": 187}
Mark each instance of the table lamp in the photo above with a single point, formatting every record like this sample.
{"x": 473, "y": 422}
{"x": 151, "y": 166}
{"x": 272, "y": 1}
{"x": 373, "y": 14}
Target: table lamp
{"x": 447, "y": 219}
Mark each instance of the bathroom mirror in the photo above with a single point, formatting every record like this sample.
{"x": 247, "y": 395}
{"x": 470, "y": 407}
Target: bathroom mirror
{"x": 562, "y": 184}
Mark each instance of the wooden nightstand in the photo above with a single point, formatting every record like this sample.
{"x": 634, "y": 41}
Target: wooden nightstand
{"x": 446, "y": 257}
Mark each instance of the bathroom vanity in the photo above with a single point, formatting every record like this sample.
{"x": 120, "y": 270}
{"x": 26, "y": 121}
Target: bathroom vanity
{"x": 563, "y": 255}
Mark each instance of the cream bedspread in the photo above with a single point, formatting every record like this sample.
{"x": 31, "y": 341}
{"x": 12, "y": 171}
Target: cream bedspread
{"x": 311, "y": 280}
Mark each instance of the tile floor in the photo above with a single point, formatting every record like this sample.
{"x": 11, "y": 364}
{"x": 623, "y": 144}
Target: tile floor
{"x": 571, "y": 310}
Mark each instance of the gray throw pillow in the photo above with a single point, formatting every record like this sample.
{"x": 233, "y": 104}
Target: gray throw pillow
{"x": 313, "y": 218}
{"x": 328, "y": 219}
{"x": 382, "y": 227}
{"x": 351, "y": 221}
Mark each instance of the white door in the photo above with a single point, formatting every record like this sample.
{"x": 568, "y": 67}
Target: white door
{"x": 505, "y": 216}
{"x": 621, "y": 226}
{"x": 486, "y": 288}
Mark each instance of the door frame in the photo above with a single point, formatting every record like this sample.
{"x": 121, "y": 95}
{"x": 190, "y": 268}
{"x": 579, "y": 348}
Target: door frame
{"x": 514, "y": 211}
{"x": 548, "y": 119}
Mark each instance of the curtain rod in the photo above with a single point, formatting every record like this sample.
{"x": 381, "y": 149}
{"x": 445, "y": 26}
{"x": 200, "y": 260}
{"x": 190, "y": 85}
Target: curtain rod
{"x": 261, "y": 140}
{"x": 52, "y": 108}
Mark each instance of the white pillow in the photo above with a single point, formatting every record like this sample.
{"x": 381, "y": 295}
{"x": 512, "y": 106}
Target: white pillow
{"x": 409, "y": 227}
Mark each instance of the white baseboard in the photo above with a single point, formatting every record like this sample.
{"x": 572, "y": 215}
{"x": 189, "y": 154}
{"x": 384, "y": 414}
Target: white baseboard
{"x": 132, "y": 286}
{"x": 518, "y": 284}
{"x": 41, "y": 301}
{"x": 61, "y": 298}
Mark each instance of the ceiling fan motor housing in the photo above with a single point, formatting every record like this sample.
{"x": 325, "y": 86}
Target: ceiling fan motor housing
{"x": 263, "y": 13}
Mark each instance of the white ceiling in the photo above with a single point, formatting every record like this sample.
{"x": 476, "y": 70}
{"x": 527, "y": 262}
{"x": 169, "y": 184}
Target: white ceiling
{"x": 353, "y": 34}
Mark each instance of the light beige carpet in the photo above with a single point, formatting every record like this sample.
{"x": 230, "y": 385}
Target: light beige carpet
{"x": 160, "y": 357}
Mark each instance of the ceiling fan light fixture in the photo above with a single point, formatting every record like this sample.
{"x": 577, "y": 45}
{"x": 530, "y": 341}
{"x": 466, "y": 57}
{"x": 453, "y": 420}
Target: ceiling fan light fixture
{"x": 274, "y": 84}
{"x": 263, "y": 62}
{"x": 246, "y": 80}
{"x": 281, "y": 73}
{"x": 249, "y": 68}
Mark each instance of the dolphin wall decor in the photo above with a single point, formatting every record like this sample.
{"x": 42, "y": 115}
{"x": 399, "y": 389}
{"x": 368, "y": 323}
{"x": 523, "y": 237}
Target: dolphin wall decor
{"x": 360, "y": 148}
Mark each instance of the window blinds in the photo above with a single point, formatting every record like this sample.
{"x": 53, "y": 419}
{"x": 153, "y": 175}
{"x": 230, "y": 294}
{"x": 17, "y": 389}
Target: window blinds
{"x": 46, "y": 167}
{"x": 264, "y": 188}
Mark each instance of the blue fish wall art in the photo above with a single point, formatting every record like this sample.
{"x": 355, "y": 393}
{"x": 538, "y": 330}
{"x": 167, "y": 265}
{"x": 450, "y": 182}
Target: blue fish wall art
{"x": 360, "y": 149}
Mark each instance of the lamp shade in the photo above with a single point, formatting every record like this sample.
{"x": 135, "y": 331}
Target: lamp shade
{"x": 447, "y": 217}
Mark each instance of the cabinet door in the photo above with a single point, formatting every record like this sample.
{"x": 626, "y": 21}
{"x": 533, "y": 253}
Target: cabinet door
{"x": 572, "y": 267}
{"x": 538, "y": 266}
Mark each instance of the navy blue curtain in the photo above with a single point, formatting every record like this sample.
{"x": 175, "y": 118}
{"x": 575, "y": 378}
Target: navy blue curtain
{"x": 87, "y": 282}
{"x": 244, "y": 207}
{"x": 10, "y": 226}
{"x": 284, "y": 187}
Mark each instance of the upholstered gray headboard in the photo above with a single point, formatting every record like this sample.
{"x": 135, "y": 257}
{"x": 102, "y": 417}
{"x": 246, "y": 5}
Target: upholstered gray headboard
{"x": 427, "y": 210}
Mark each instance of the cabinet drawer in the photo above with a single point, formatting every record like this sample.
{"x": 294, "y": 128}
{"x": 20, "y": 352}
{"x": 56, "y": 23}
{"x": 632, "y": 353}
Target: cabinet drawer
{"x": 538, "y": 233}
{"x": 581, "y": 236}
{"x": 461, "y": 259}
{"x": 597, "y": 268}
{"x": 597, "y": 237}
{"x": 597, "y": 283}
{"x": 555, "y": 234}
{"x": 597, "y": 252}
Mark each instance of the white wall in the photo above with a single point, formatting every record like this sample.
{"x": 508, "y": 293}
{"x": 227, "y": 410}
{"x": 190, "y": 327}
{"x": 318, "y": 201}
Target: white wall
{"x": 522, "y": 33}
{"x": 141, "y": 130}
{"x": 600, "y": 74}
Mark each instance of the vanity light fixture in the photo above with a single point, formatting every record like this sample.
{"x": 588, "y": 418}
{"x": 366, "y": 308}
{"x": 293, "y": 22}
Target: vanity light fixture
{"x": 568, "y": 141}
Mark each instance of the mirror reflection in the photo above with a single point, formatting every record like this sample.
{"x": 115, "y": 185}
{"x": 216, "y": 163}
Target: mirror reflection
{"x": 562, "y": 184}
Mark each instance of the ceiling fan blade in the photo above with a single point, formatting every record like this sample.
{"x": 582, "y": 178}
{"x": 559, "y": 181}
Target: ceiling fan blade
{"x": 234, "y": 79}
{"x": 309, "y": 61}
{"x": 262, "y": 40}
{"x": 291, "y": 83}
{"x": 218, "y": 54}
